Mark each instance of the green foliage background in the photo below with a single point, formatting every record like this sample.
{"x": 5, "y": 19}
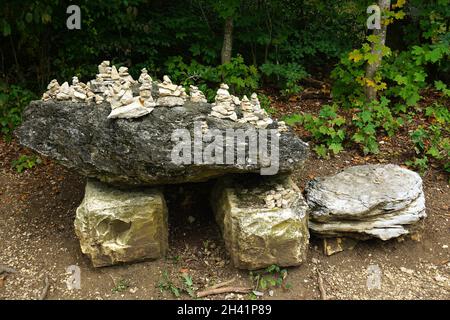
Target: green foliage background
{"x": 276, "y": 43}
{"x": 282, "y": 35}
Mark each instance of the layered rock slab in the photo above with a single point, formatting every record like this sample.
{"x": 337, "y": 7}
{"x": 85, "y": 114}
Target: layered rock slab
{"x": 116, "y": 226}
{"x": 137, "y": 152}
{"x": 256, "y": 234}
{"x": 368, "y": 201}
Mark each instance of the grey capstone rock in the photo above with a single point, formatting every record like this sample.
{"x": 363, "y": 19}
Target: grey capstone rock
{"x": 116, "y": 226}
{"x": 135, "y": 152}
{"x": 257, "y": 236}
{"x": 380, "y": 201}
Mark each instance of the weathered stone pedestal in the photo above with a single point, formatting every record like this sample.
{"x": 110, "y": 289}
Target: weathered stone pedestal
{"x": 258, "y": 231}
{"x": 116, "y": 226}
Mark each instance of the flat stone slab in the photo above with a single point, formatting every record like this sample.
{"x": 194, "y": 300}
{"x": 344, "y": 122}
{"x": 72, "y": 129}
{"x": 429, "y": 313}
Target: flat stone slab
{"x": 116, "y": 226}
{"x": 138, "y": 152}
{"x": 381, "y": 201}
{"x": 258, "y": 233}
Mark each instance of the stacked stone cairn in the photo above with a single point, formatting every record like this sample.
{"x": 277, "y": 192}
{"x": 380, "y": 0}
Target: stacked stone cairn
{"x": 279, "y": 197}
{"x": 77, "y": 92}
{"x": 225, "y": 104}
{"x": 170, "y": 94}
{"x": 196, "y": 96}
{"x": 264, "y": 219}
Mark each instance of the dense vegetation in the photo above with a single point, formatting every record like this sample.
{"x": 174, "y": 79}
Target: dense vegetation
{"x": 251, "y": 44}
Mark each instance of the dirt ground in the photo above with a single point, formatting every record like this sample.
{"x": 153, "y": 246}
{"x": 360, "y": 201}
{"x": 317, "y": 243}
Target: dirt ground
{"x": 37, "y": 239}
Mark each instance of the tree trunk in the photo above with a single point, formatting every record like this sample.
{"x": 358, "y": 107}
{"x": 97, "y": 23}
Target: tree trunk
{"x": 371, "y": 69}
{"x": 227, "y": 46}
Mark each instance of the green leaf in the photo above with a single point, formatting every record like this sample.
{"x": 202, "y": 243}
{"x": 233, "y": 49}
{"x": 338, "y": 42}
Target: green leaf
{"x": 293, "y": 119}
{"x": 366, "y": 116}
{"x": 263, "y": 283}
{"x": 187, "y": 280}
{"x": 175, "y": 291}
{"x": 434, "y": 152}
{"x": 336, "y": 148}
{"x": 321, "y": 150}
{"x": 358, "y": 137}
{"x": 419, "y": 76}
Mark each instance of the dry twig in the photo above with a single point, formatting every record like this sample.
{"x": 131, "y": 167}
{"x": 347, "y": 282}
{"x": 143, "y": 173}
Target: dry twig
{"x": 45, "y": 290}
{"x": 222, "y": 284}
{"x": 323, "y": 293}
{"x": 211, "y": 292}
{"x": 6, "y": 269}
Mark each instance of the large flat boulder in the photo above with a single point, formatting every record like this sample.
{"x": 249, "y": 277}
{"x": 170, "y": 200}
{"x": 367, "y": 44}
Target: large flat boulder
{"x": 116, "y": 226}
{"x": 139, "y": 152}
{"x": 368, "y": 201}
{"x": 263, "y": 221}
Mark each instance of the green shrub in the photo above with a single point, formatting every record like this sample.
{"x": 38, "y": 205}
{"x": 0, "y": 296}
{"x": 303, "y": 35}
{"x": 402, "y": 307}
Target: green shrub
{"x": 266, "y": 104}
{"x": 287, "y": 76}
{"x": 241, "y": 78}
{"x": 432, "y": 142}
{"x": 371, "y": 119}
{"x": 327, "y": 130}
{"x": 406, "y": 73}
{"x": 13, "y": 99}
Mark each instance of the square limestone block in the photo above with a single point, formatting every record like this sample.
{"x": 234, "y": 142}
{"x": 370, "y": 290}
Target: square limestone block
{"x": 117, "y": 226}
{"x": 263, "y": 220}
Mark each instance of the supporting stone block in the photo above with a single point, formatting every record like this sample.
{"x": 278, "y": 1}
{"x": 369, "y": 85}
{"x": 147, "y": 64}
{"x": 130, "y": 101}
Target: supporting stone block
{"x": 116, "y": 226}
{"x": 263, "y": 221}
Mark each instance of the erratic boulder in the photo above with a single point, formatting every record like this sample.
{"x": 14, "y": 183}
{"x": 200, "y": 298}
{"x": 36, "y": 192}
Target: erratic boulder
{"x": 138, "y": 152}
{"x": 381, "y": 201}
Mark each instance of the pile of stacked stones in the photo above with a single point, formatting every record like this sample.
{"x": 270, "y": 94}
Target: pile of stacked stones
{"x": 264, "y": 220}
{"x": 196, "y": 95}
{"x": 117, "y": 87}
{"x": 77, "y": 92}
{"x": 170, "y": 94}
{"x": 225, "y": 104}
{"x": 279, "y": 197}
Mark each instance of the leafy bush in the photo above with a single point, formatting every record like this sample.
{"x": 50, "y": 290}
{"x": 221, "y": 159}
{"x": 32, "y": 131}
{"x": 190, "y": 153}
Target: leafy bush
{"x": 349, "y": 74}
{"x": 266, "y": 103}
{"x": 369, "y": 120}
{"x": 407, "y": 72}
{"x": 399, "y": 84}
{"x": 13, "y": 99}
{"x": 432, "y": 141}
{"x": 287, "y": 76}
{"x": 241, "y": 78}
{"x": 327, "y": 130}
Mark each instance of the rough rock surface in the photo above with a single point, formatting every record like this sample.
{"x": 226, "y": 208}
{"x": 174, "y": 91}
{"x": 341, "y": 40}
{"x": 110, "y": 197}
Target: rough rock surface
{"x": 255, "y": 235}
{"x": 135, "y": 152}
{"x": 380, "y": 201}
{"x": 121, "y": 226}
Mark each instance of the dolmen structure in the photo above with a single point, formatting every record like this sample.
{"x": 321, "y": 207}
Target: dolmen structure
{"x": 131, "y": 137}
